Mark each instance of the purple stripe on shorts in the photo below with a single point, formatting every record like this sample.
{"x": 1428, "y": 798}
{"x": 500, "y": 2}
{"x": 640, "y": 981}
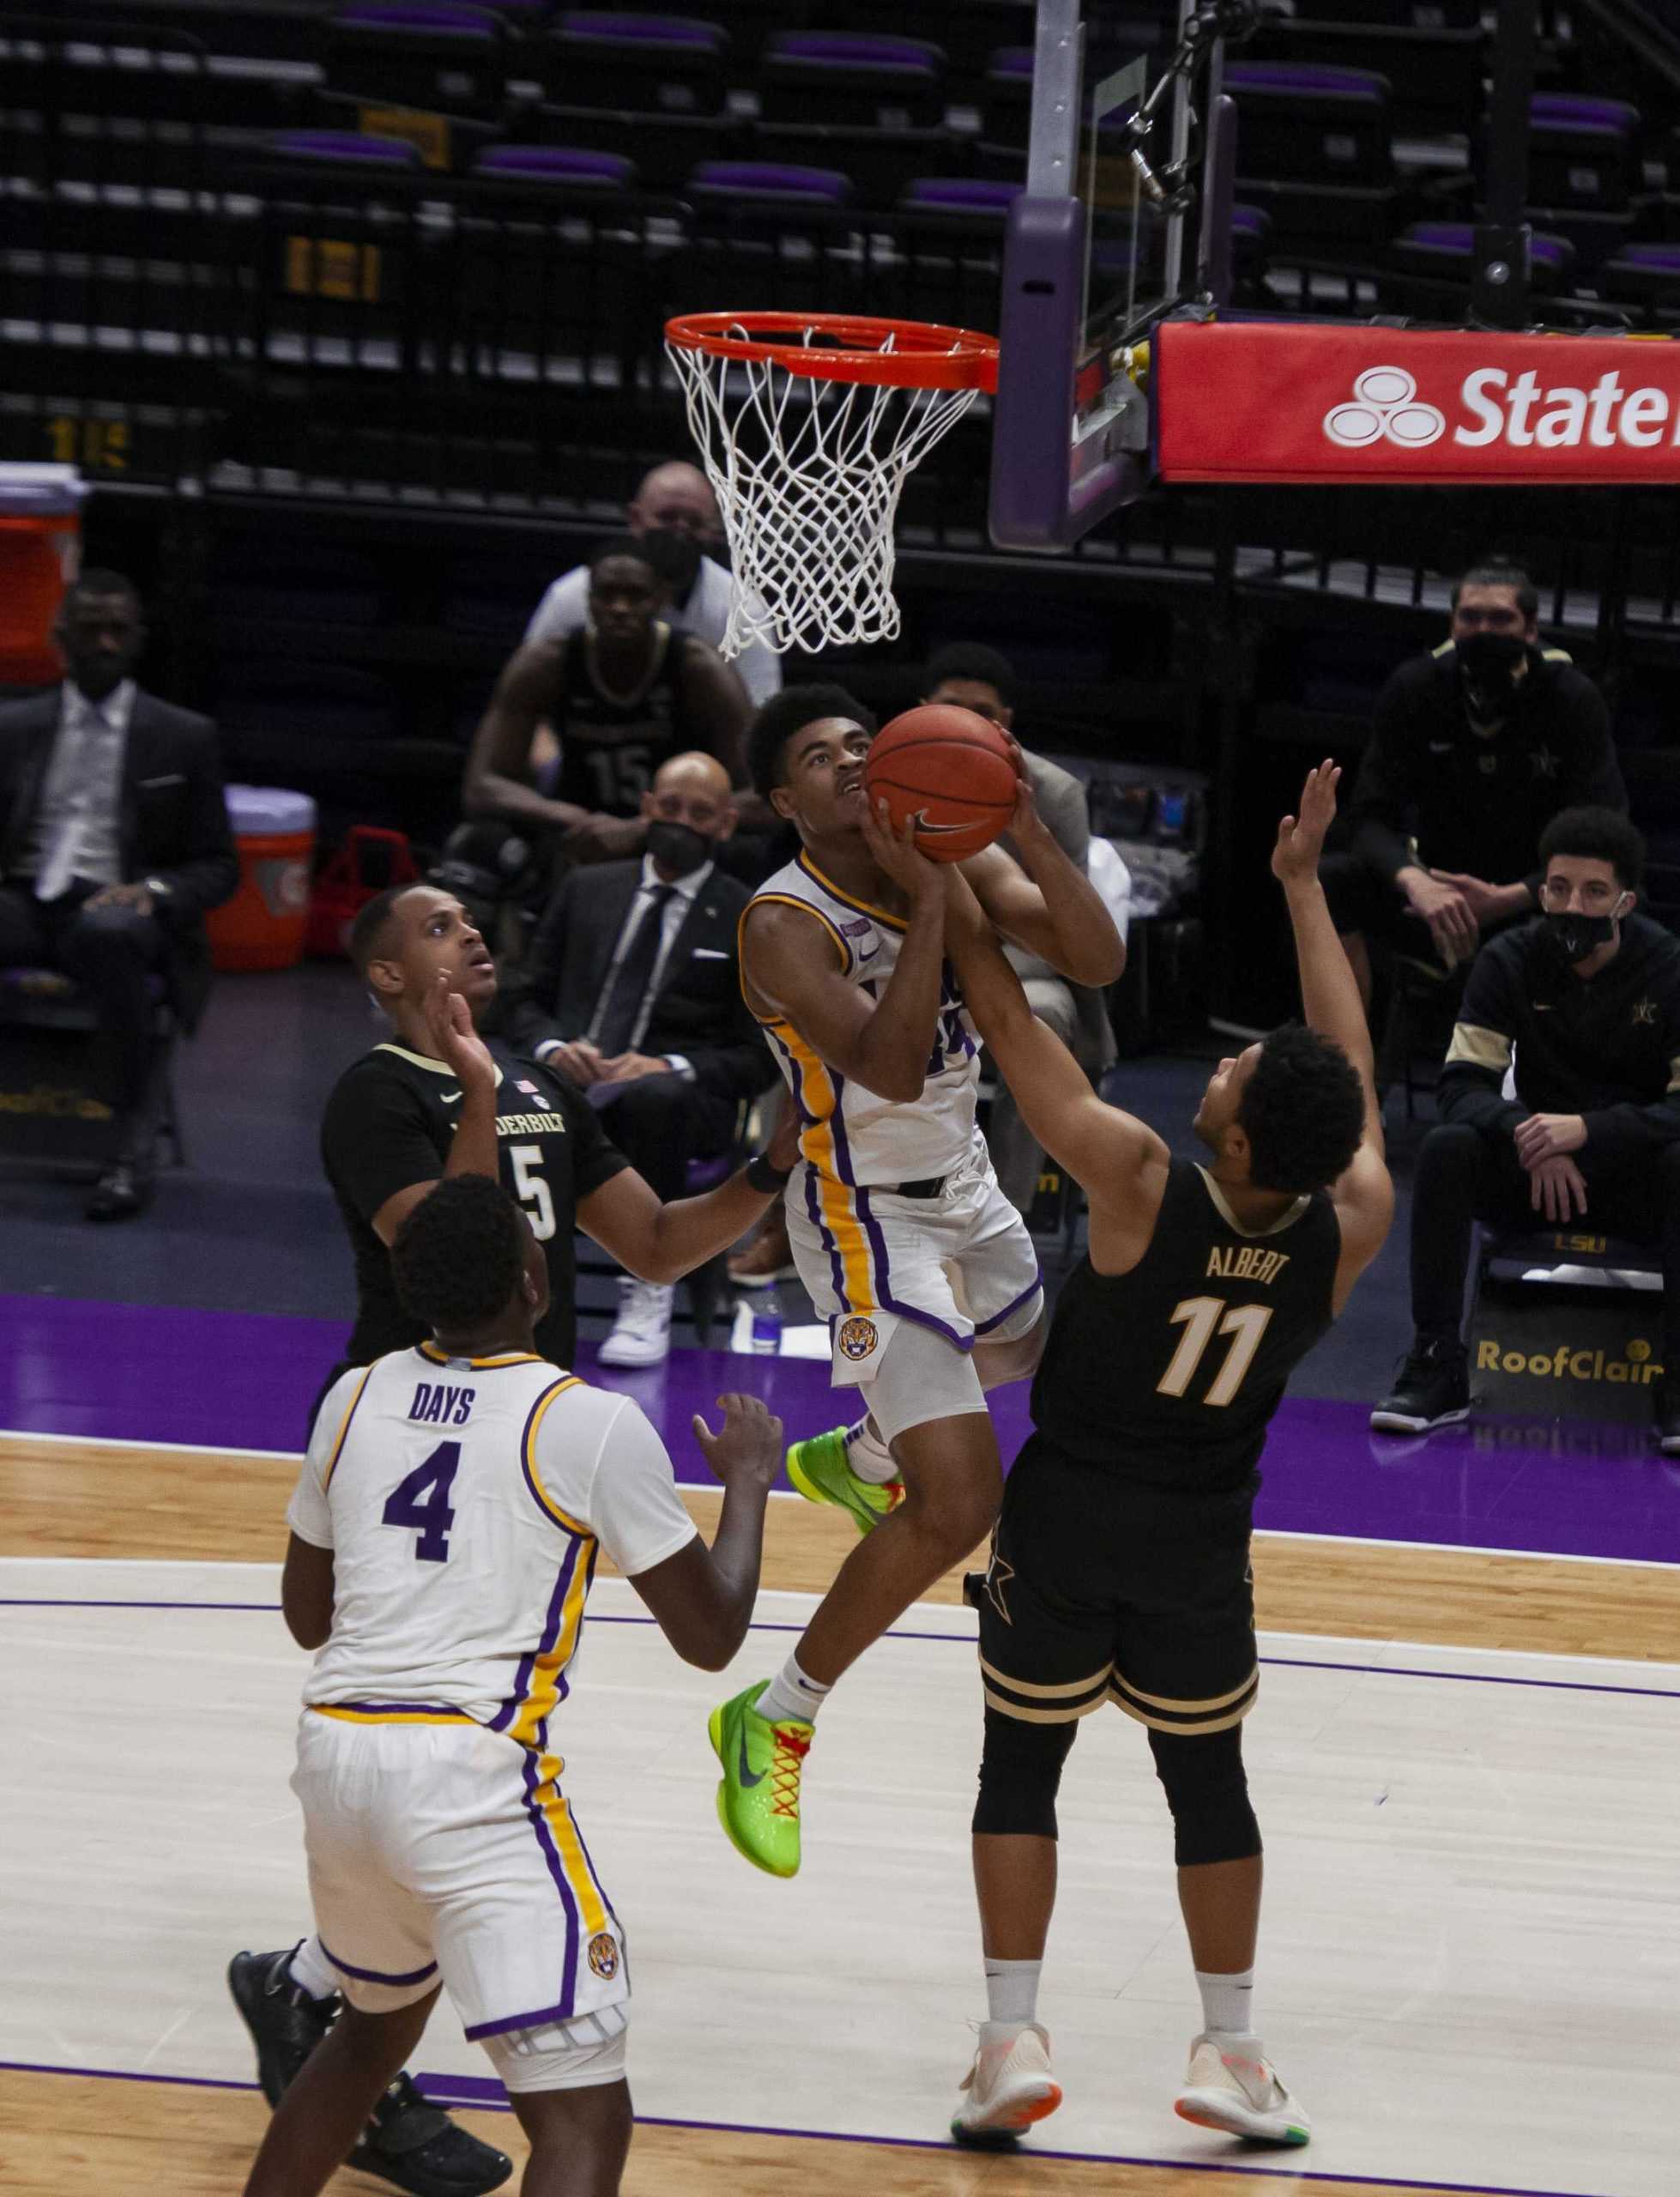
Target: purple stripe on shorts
{"x": 564, "y": 2007}
{"x": 395, "y": 1708}
{"x": 537, "y": 2016}
{"x": 872, "y": 1228}
{"x": 373, "y": 1975}
{"x": 563, "y": 1678}
{"x": 836, "y": 1269}
{"x": 985, "y": 1327}
{"x": 551, "y": 1632}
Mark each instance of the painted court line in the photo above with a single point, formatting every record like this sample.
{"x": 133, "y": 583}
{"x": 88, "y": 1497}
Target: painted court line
{"x": 960, "y": 1639}
{"x": 483, "y": 2095}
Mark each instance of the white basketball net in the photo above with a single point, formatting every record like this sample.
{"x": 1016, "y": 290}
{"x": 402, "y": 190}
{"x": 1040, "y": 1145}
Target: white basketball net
{"x": 807, "y": 474}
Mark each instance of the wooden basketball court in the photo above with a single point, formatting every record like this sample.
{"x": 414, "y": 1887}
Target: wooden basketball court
{"x": 1467, "y": 1934}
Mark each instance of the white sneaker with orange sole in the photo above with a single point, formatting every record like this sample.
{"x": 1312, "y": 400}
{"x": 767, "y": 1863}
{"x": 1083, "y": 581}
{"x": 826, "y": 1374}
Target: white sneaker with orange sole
{"x": 1236, "y": 2089}
{"x": 1009, "y": 2086}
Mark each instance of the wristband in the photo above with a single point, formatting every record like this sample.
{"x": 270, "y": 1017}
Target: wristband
{"x": 762, "y": 1176}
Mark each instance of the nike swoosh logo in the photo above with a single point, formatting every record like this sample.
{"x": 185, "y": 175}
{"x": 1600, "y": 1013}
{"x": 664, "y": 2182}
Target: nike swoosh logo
{"x": 937, "y": 830}
{"x": 742, "y": 1771}
{"x": 869, "y": 956}
{"x": 450, "y": 1097}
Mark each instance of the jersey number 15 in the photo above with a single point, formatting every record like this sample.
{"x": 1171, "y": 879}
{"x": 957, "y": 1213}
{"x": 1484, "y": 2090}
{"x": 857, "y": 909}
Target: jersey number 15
{"x": 1200, "y": 1318}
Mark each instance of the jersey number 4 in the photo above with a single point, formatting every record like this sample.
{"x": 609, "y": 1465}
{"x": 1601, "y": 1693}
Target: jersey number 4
{"x": 1200, "y": 1318}
{"x": 421, "y": 1503}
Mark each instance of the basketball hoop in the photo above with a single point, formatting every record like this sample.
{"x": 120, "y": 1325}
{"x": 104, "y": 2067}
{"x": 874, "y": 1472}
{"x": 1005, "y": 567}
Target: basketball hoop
{"x": 809, "y": 425}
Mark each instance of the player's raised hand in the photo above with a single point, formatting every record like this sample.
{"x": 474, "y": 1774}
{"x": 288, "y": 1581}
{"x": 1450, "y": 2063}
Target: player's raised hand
{"x": 897, "y": 853}
{"x": 748, "y": 1447}
{"x": 449, "y": 1020}
{"x": 1300, "y": 838}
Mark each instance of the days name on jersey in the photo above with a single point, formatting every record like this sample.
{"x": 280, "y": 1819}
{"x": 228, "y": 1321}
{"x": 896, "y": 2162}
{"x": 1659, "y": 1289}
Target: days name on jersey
{"x": 1246, "y": 1262}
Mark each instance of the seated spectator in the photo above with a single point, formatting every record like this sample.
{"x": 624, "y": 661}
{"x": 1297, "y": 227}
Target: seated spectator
{"x": 1587, "y": 998}
{"x": 633, "y": 990}
{"x": 114, "y": 841}
{"x": 623, "y": 693}
{"x": 1474, "y": 748}
{"x": 673, "y": 514}
{"x": 975, "y": 677}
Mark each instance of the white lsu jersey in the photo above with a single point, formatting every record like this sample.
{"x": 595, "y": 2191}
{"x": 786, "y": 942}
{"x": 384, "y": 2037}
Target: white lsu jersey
{"x": 466, "y": 1502}
{"x": 853, "y": 1139}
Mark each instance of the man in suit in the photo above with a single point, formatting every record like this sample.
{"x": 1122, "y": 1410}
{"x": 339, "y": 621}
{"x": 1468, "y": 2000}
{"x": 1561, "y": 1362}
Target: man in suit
{"x": 114, "y": 841}
{"x": 633, "y": 990}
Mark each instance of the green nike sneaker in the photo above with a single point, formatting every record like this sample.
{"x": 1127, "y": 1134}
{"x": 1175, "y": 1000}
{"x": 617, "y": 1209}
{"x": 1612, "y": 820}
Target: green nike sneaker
{"x": 819, "y": 1468}
{"x": 757, "y": 1799}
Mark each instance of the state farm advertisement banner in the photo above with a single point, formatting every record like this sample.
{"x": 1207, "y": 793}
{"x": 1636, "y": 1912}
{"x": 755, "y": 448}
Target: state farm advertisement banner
{"x": 1269, "y": 400}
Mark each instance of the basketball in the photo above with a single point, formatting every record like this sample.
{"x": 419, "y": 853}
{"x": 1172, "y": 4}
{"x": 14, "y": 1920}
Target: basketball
{"x": 953, "y": 770}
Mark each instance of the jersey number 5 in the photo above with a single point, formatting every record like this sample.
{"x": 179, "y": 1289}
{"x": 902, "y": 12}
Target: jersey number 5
{"x": 1200, "y": 1318}
{"x": 432, "y": 1517}
{"x": 532, "y": 1192}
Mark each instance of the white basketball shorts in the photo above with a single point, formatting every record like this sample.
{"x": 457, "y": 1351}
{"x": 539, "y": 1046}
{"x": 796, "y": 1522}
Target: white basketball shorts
{"x": 440, "y": 1850}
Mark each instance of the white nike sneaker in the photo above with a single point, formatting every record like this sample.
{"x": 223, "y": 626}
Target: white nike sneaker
{"x": 1237, "y": 2089}
{"x": 642, "y": 1332}
{"x": 1009, "y": 2086}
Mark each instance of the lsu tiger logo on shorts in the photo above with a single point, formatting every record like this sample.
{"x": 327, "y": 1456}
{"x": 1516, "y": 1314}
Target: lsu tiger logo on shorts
{"x": 857, "y": 1337}
{"x": 603, "y": 1956}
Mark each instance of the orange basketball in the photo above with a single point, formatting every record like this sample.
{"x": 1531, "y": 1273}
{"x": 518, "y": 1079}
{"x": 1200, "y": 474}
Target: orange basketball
{"x": 950, "y": 769}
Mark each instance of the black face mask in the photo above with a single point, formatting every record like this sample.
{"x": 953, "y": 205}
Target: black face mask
{"x": 674, "y": 556}
{"x": 1575, "y": 936}
{"x": 1489, "y": 663}
{"x": 678, "y": 847}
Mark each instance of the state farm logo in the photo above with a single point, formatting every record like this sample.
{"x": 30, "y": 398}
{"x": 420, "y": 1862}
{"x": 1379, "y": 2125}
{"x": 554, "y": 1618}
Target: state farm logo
{"x": 1517, "y": 410}
{"x": 1384, "y": 408}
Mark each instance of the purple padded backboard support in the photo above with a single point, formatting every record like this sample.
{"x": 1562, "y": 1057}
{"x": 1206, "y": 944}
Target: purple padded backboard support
{"x": 1052, "y": 480}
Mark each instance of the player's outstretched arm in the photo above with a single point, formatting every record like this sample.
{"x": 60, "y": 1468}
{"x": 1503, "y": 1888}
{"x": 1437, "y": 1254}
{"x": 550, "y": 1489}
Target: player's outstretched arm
{"x": 1364, "y": 1196}
{"x": 789, "y": 964}
{"x": 662, "y": 1242}
{"x": 1052, "y": 908}
{"x": 449, "y": 1022}
{"x": 1101, "y": 1147}
{"x": 702, "y": 1597}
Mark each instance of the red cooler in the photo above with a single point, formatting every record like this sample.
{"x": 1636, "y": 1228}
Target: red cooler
{"x": 41, "y": 548}
{"x": 263, "y": 926}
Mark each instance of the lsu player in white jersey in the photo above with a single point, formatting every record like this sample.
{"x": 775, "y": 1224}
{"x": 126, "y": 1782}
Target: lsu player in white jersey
{"x": 445, "y": 1529}
{"x": 922, "y": 1269}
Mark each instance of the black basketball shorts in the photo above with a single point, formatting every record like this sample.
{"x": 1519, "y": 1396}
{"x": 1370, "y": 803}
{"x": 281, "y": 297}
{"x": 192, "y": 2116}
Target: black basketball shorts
{"x": 1099, "y": 1589}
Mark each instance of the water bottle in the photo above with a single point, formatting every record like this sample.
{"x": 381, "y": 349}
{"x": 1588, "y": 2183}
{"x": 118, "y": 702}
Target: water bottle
{"x": 756, "y": 1330}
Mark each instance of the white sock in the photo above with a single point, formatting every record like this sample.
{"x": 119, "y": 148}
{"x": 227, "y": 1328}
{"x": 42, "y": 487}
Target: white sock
{"x": 311, "y": 1972}
{"x": 868, "y": 1455}
{"x": 792, "y": 1692}
{"x": 1011, "y": 1990}
{"x": 1228, "y": 2005}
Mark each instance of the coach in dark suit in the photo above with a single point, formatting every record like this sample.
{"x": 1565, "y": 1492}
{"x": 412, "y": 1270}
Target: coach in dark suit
{"x": 114, "y": 841}
{"x": 632, "y": 989}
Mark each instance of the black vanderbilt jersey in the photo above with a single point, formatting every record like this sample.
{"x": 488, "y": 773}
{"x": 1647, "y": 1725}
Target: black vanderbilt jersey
{"x": 390, "y": 1124}
{"x": 1170, "y": 1374}
{"x": 611, "y": 744}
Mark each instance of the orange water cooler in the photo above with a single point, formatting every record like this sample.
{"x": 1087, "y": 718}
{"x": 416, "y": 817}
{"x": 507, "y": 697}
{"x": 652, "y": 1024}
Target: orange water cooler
{"x": 263, "y": 926}
{"x": 41, "y": 551}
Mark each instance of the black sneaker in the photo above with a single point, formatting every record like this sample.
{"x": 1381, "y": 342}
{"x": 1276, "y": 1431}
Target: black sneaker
{"x": 286, "y": 2024}
{"x": 1432, "y": 1389}
{"x": 417, "y": 2147}
{"x": 413, "y": 2146}
{"x": 1665, "y": 1410}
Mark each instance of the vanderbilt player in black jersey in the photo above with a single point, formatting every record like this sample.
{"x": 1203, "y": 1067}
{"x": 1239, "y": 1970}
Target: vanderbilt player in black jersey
{"x": 433, "y": 1100}
{"x": 1120, "y": 1566}
{"x": 622, "y": 695}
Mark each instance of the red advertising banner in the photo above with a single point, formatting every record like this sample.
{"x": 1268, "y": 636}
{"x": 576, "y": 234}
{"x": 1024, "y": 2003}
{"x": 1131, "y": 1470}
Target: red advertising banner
{"x": 1397, "y": 407}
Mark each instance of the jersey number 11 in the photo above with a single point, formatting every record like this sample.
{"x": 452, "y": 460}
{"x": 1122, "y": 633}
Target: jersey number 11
{"x": 1200, "y": 1318}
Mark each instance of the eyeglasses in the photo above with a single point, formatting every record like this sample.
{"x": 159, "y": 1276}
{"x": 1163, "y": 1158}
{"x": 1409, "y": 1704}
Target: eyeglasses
{"x": 1595, "y": 897}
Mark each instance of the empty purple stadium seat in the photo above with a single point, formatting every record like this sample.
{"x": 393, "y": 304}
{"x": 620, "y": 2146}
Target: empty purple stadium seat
{"x": 648, "y": 30}
{"x": 841, "y": 78}
{"x": 440, "y": 56}
{"x": 770, "y": 180}
{"x": 637, "y": 63}
{"x": 340, "y": 145}
{"x": 445, "y": 19}
{"x": 960, "y": 194}
{"x": 1444, "y": 248}
{"x": 558, "y": 164}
